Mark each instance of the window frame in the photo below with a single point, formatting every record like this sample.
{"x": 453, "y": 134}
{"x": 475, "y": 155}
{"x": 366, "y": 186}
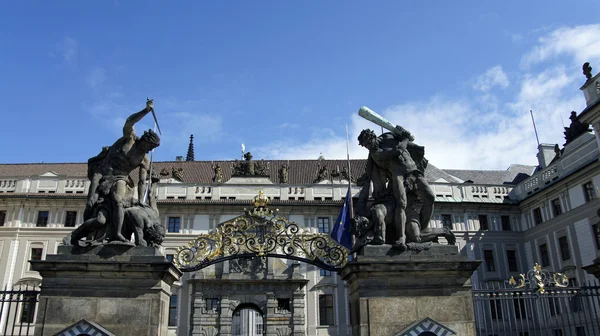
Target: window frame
{"x": 589, "y": 193}
{"x": 564, "y": 249}
{"x": 321, "y": 222}
{"x": 556, "y": 207}
{"x": 489, "y": 267}
{"x": 505, "y": 224}
{"x": 326, "y": 310}
{"x": 175, "y": 225}
{"x": 37, "y": 221}
{"x": 67, "y": 218}
{"x": 484, "y": 223}
{"x": 173, "y": 305}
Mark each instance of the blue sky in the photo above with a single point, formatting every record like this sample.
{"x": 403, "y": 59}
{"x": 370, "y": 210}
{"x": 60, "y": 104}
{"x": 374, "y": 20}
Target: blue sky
{"x": 284, "y": 77}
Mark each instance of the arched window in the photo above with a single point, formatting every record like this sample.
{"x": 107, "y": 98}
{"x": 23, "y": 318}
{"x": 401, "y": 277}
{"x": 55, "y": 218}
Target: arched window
{"x": 247, "y": 321}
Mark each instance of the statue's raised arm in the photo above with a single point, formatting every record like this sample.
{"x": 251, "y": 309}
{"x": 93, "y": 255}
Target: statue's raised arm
{"x": 128, "y": 129}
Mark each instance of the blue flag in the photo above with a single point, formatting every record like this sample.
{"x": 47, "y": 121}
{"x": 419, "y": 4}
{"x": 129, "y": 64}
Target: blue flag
{"x": 341, "y": 228}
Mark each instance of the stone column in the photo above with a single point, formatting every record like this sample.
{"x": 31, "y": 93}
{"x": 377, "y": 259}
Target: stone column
{"x": 122, "y": 288}
{"x": 389, "y": 292}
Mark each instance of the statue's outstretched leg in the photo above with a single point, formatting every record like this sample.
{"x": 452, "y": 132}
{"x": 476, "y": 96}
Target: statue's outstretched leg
{"x": 88, "y": 226}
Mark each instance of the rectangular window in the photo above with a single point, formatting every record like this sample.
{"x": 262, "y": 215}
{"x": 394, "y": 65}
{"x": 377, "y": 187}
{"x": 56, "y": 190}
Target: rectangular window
{"x": 36, "y": 253}
{"x": 447, "y": 221}
{"x": 42, "y": 219}
{"x": 70, "y": 218}
{"x": 564, "y": 248}
{"x": 283, "y": 306}
{"x": 324, "y": 273}
{"x": 505, "y": 223}
{"x": 580, "y": 331}
{"x": 326, "y": 310}
{"x": 511, "y": 258}
{"x": 558, "y": 332}
{"x": 28, "y": 307}
{"x": 174, "y": 224}
{"x": 212, "y": 304}
{"x": 544, "y": 255}
{"x": 483, "y": 222}
{"x": 488, "y": 256}
{"x": 173, "y": 311}
{"x": 258, "y": 325}
{"x": 2, "y": 217}
{"x": 323, "y": 224}
{"x": 556, "y": 208}
{"x": 589, "y": 193}
{"x": 537, "y": 216}
{"x": 170, "y": 257}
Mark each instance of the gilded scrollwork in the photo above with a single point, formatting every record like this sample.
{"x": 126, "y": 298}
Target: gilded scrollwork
{"x": 539, "y": 279}
{"x": 260, "y": 232}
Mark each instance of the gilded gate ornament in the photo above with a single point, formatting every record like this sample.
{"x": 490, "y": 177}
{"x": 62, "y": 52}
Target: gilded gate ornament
{"x": 540, "y": 279}
{"x": 260, "y": 232}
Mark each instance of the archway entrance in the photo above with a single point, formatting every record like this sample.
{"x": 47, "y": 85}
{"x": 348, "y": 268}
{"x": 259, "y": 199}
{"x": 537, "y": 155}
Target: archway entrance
{"x": 247, "y": 321}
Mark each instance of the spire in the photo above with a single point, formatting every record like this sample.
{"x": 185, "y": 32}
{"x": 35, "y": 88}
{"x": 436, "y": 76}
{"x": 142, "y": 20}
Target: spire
{"x": 190, "y": 153}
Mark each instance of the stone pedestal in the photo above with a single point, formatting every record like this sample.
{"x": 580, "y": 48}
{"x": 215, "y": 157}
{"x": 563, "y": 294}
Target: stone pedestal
{"x": 391, "y": 292}
{"x": 122, "y": 288}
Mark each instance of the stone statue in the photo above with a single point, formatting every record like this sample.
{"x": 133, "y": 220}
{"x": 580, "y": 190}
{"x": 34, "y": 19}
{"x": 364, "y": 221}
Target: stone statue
{"x": 375, "y": 226}
{"x": 322, "y": 173}
{"x": 218, "y": 173}
{"x": 141, "y": 220}
{"x": 177, "y": 173}
{"x": 576, "y": 128}
{"x": 248, "y": 167}
{"x": 396, "y": 161}
{"x": 283, "y": 173}
{"x": 587, "y": 71}
{"x": 111, "y": 187}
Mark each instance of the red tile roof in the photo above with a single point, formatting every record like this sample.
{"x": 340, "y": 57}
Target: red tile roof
{"x": 299, "y": 172}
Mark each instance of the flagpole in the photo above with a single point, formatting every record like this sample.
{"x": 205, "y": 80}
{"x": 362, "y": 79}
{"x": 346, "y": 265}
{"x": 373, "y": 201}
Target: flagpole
{"x": 349, "y": 173}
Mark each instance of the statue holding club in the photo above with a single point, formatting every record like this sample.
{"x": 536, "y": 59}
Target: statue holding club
{"x": 396, "y": 169}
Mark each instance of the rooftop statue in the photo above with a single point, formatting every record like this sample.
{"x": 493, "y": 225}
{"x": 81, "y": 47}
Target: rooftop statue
{"x": 110, "y": 202}
{"x": 576, "y": 128}
{"x": 248, "y": 167}
{"x": 396, "y": 168}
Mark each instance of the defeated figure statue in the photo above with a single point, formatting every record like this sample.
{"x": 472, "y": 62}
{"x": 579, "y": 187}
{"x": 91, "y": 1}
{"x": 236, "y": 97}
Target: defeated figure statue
{"x": 375, "y": 226}
{"x": 141, "y": 220}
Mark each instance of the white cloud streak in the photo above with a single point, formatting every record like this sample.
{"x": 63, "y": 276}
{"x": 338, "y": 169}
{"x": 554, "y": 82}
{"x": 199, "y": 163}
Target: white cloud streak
{"x": 481, "y": 131}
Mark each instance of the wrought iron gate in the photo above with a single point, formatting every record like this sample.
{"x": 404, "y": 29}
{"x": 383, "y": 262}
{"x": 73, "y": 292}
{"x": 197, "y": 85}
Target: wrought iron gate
{"x": 540, "y": 304}
{"x": 17, "y": 310}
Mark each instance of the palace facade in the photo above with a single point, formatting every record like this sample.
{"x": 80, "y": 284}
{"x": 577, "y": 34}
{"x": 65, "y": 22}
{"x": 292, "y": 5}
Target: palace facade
{"x": 510, "y": 219}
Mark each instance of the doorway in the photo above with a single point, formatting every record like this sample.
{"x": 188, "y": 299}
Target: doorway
{"x": 247, "y": 321}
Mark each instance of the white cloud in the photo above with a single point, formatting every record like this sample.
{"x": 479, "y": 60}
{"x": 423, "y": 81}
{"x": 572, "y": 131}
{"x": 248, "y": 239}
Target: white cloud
{"x": 581, "y": 43}
{"x": 492, "y": 77}
{"x": 67, "y": 48}
{"x": 481, "y": 131}
{"x": 96, "y": 77}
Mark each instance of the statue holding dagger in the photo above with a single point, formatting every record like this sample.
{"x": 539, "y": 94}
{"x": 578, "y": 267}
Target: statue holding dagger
{"x": 111, "y": 190}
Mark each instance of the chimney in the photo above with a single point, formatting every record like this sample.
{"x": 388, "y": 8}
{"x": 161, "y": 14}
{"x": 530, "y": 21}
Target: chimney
{"x": 545, "y": 154}
{"x": 591, "y": 88}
